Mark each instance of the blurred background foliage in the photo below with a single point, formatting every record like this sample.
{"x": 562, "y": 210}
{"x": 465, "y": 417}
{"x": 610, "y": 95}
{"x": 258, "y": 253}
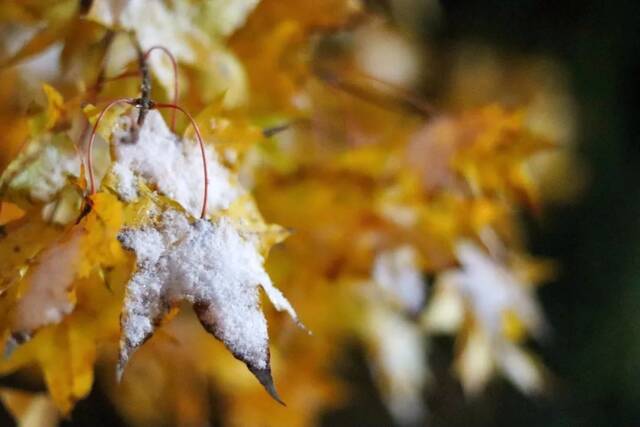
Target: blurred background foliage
{"x": 594, "y": 347}
{"x": 593, "y": 304}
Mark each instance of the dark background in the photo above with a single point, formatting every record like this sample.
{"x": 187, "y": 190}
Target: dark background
{"x": 594, "y": 305}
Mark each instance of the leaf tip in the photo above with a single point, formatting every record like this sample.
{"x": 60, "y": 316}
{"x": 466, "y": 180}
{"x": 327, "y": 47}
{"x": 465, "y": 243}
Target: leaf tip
{"x": 264, "y": 376}
{"x": 120, "y": 371}
{"x": 122, "y": 362}
{"x": 14, "y": 341}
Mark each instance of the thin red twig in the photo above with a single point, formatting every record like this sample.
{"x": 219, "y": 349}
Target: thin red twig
{"x": 202, "y": 151}
{"x": 175, "y": 79}
{"x": 92, "y": 184}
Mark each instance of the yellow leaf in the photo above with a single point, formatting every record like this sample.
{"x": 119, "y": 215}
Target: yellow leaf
{"x": 30, "y": 409}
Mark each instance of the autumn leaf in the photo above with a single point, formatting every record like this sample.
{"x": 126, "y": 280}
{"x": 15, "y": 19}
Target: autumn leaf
{"x": 501, "y": 311}
{"x": 396, "y": 345}
{"x": 214, "y": 268}
{"x": 207, "y": 263}
{"x": 312, "y": 115}
{"x": 30, "y": 409}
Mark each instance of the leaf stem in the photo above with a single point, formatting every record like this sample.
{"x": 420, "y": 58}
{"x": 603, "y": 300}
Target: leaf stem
{"x": 174, "y": 63}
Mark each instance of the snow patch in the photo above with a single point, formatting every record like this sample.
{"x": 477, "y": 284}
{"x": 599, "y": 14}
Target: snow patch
{"x": 399, "y": 363}
{"x": 46, "y": 300}
{"x": 212, "y": 266}
{"x": 169, "y": 163}
{"x": 44, "y": 177}
{"x": 492, "y": 290}
{"x": 396, "y": 272}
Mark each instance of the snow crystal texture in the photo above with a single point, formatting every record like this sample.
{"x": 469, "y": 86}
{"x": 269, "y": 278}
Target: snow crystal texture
{"x": 208, "y": 264}
{"x": 172, "y": 165}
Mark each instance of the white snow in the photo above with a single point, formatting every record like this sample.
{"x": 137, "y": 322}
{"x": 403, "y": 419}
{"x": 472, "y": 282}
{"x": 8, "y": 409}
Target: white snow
{"x": 46, "y": 300}
{"x": 492, "y": 289}
{"x": 397, "y": 273}
{"x": 155, "y": 24}
{"x": 55, "y": 167}
{"x": 44, "y": 177}
{"x": 399, "y": 362}
{"x": 397, "y": 345}
{"x": 172, "y": 165}
{"x": 212, "y": 266}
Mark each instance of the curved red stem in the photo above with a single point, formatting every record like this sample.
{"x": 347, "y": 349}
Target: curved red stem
{"x": 202, "y": 151}
{"x": 175, "y": 79}
{"x": 92, "y": 183}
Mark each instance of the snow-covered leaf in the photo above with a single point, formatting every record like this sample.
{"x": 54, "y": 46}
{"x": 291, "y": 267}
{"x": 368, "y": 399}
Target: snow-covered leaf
{"x": 41, "y": 171}
{"x": 47, "y": 298}
{"x": 493, "y": 291}
{"x": 191, "y": 32}
{"x": 213, "y": 267}
{"x": 501, "y": 309}
{"x": 170, "y": 164}
{"x": 398, "y": 351}
{"x": 396, "y": 272}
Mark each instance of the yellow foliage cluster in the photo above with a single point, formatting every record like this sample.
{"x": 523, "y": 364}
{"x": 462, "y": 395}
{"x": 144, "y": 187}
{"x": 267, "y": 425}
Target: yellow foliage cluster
{"x": 400, "y": 219}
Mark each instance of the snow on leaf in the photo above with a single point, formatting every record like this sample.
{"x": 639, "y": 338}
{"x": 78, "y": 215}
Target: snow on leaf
{"x": 396, "y": 272}
{"x": 493, "y": 290}
{"x": 46, "y": 165}
{"x": 41, "y": 170}
{"x": 171, "y": 164}
{"x": 189, "y": 31}
{"x": 397, "y": 345}
{"x": 502, "y": 308}
{"x": 21, "y": 242}
{"x": 47, "y": 298}
{"x": 210, "y": 265}
{"x": 154, "y": 24}
{"x": 398, "y": 350}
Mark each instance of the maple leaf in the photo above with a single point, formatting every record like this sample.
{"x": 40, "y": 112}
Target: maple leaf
{"x": 214, "y": 268}
{"x": 502, "y": 310}
{"x": 47, "y": 160}
{"x": 397, "y": 350}
{"x": 276, "y": 62}
{"x": 376, "y": 198}
{"x": 396, "y": 344}
{"x": 194, "y": 34}
{"x": 216, "y": 265}
{"x": 397, "y": 274}
{"x": 48, "y": 297}
{"x": 30, "y": 409}
{"x": 161, "y": 159}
